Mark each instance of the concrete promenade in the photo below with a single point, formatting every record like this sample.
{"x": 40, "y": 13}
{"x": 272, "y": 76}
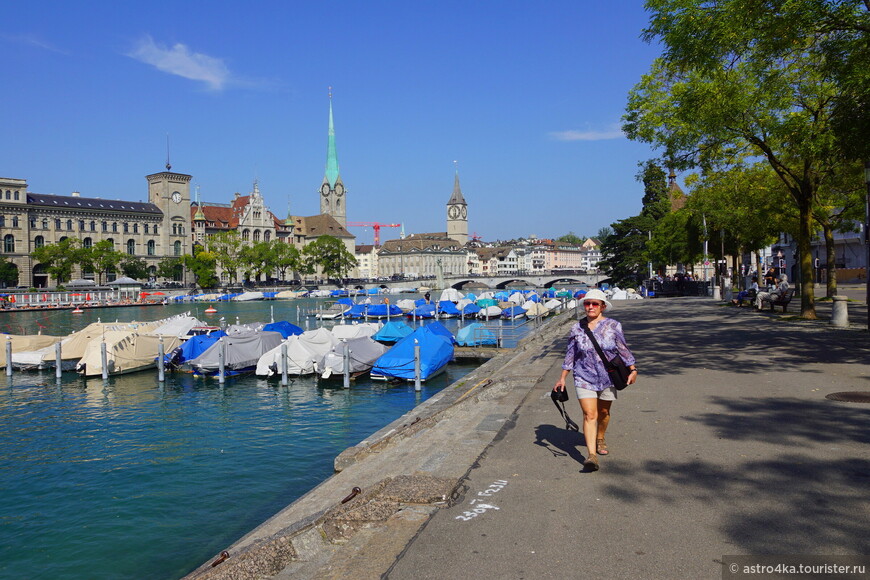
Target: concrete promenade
{"x": 726, "y": 445}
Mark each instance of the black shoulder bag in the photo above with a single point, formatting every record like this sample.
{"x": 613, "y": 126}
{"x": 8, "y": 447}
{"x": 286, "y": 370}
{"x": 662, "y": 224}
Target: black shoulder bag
{"x": 616, "y": 369}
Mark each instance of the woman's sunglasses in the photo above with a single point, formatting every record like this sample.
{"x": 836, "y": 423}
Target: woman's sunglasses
{"x": 589, "y": 303}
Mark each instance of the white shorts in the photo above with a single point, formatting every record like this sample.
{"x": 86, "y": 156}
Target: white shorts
{"x": 608, "y": 394}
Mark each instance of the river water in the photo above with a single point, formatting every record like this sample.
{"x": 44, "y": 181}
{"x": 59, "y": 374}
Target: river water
{"x": 130, "y": 479}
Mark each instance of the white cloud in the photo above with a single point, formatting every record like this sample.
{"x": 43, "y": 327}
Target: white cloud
{"x": 180, "y": 60}
{"x": 612, "y": 132}
{"x": 31, "y": 40}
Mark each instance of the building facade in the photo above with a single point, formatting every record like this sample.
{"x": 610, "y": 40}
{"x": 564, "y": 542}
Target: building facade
{"x": 151, "y": 231}
{"x": 421, "y": 256}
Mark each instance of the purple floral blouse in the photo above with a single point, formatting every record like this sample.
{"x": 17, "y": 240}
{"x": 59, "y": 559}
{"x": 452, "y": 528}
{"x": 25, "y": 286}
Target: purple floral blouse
{"x": 582, "y": 358}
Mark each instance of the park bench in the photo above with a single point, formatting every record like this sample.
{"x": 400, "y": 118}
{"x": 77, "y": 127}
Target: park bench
{"x": 781, "y": 300}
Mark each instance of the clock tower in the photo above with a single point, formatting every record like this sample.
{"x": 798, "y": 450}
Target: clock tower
{"x": 332, "y": 193}
{"x": 457, "y": 214}
{"x": 170, "y": 192}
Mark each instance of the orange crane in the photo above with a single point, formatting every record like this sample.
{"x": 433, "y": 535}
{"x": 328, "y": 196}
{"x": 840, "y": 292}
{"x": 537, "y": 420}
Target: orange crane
{"x": 375, "y": 226}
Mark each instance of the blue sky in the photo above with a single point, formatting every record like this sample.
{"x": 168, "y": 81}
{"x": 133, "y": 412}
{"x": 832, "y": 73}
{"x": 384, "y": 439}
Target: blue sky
{"x": 525, "y": 96}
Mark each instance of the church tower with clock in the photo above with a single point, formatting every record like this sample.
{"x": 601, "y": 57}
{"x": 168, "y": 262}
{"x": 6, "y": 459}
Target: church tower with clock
{"x": 170, "y": 192}
{"x": 332, "y": 192}
{"x": 457, "y": 214}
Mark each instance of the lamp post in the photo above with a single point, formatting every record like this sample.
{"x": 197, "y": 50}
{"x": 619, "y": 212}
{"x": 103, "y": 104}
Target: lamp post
{"x": 867, "y": 239}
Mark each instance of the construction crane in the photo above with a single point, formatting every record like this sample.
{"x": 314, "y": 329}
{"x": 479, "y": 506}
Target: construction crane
{"x": 375, "y": 226}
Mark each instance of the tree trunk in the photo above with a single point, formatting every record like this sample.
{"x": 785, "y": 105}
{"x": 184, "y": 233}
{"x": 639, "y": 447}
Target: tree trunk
{"x": 805, "y": 257}
{"x": 830, "y": 261}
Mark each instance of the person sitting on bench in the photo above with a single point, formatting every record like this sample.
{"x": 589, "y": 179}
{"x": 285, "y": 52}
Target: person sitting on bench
{"x": 750, "y": 292}
{"x": 774, "y": 294}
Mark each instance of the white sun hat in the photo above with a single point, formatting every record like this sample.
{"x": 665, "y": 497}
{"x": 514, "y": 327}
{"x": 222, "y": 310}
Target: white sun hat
{"x": 596, "y": 294}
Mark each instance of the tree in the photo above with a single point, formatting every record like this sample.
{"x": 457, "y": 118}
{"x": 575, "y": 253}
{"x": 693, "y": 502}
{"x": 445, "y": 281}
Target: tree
{"x": 8, "y": 272}
{"x": 203, "y": 266}
{"x": 226, "y": 248}
{"x": 625, "y": 249}
{"x": 604, "y": 233}
{"x": 570, "y": 238}
{"x": 171, "y": 267}
{"x": 134, "y": 267}
{"x": 257, "y": 260}
{"x": 286, "y": 257}
{"x": 59, "y": 259}
{"x": 740, "y": 77}
{"x": 101, "y": 258}
{"x": 331, "y": 255}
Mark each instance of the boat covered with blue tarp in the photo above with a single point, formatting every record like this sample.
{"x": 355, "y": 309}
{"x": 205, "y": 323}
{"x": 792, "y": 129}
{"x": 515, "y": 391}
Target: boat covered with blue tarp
{"x": 393, "y": 331}
{"x": 398, "y": 363}
{"x": 285, "y": 328}
{"x": 193, "y": 347}
{"x": 476, "y": 334}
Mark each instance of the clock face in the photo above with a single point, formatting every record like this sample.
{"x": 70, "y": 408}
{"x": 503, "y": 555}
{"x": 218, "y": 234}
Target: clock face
{"x": 176, "y": 197}
{"x": 453, "y": 212}
{"x": 464, "y": 212}
{"x": 324, "y": 189}
{"x": 339, "y": 189}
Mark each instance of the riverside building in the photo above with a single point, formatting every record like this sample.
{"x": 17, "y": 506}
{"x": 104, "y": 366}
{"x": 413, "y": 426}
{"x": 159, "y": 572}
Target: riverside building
{"x": 152, "y": 231}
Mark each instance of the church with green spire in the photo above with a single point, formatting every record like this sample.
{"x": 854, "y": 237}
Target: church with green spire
{"x": 332, "y": 192}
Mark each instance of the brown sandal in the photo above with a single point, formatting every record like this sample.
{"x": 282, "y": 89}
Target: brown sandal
{"x": 602, "y": 446}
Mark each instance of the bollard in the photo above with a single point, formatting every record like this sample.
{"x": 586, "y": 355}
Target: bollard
{"x": 307, "y": 325}
{"x": 104, "y": 360}
{"x": 58, "y": 367}
{"x": 272, "y": 313}
{"x": 222, "y": 357}
{"x": 499, "y": 338}
{"x": 161, "y": 353}
{"x": 417, "y": 380}
{"x": 8, "y": 356}
{"x": 840, "y": 312}
{"x": 346, "y": 362}
{"x": 284, "y": 380}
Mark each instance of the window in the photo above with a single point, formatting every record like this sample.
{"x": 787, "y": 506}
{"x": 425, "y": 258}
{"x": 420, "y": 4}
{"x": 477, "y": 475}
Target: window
{"x": 8, "y": 241}
{"x": 8, "y": 194}
{"x": 45, "y": 223}
{"x": 177, "y": 247}
{"x": 2, "y": 221}
{"x": 131, "y": 247}
{"x": 57, "y": 224}
{"x": 81, "y": 225}
{"x": 38, "y": 242}
{"x": 155, "y": 230}
{"x": 114, "y": 227}
{"x": 135, "y": 228}
{"x": 151, "y": 247}
{"x": 105, "y": 227}
{"x": 87, "y": 243}
{"x": 15, "y": 221}
{"x": 111, "y": 243}
{"x": 246, "y": 235}
{"x": 174, "y": 229}
{"x": 256, "y": 235}
{"x": 267, "y": 235}
{"x": 93, "y": 226}
{"x": 16, "y": 196}
{"x": 69, "y": 225}
{"x": 126, "y": 228}
{"x": 33, "y": 223}
{"x": 146, "y": 228}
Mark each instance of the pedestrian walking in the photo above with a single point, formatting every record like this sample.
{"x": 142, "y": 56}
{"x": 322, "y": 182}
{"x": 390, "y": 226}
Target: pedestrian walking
{"x": 591, "y": 379}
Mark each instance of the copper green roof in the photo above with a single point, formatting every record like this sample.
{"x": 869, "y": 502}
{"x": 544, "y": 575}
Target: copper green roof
{"x": 331, "y": 156}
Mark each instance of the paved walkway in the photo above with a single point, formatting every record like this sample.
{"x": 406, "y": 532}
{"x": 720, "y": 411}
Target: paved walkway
{"x": 726, "y": 445}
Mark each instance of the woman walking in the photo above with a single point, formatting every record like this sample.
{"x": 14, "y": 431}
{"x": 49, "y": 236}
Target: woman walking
{"x": 591, "y": 380}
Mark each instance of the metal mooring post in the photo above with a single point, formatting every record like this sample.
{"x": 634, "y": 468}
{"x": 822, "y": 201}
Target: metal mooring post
{"x": 417, "y": 379}
{"x": 161, "y": 370}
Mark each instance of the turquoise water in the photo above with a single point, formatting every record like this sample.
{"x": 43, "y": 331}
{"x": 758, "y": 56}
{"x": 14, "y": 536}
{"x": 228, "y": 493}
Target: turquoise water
{"x": 129, "y": 479}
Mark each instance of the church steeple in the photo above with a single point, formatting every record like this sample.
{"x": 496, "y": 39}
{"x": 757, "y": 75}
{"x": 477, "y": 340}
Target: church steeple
{"x": 331, "y": 156}
{"x": 332, "y": 189}
{"x": 457, "y": 213}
